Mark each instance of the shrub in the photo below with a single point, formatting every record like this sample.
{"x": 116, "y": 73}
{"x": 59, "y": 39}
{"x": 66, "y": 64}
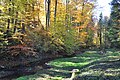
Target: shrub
{"x": 43, "y": 41}
{"x": 21, "y": 50}
{"x": 67, "y": 36}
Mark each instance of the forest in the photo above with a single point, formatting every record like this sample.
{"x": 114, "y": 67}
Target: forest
{"x": 54, "y": 39}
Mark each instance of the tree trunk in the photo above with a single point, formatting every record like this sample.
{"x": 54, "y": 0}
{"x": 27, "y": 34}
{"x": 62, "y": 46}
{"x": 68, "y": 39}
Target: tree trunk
{"x": 23, "y": 28}
{"x": 8, "y": 26}
{"x": 66, "y": 16}
{"x": 83, "y": 8}
{"x": 100, "y": 38}
{"x": 16, "y": 20}
{"x": 47, "y": 13}
{"x": 55, "y": 11}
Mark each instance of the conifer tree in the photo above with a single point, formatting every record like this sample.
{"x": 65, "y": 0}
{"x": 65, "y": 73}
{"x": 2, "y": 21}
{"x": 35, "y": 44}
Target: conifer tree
{"x": 114, "y": 24}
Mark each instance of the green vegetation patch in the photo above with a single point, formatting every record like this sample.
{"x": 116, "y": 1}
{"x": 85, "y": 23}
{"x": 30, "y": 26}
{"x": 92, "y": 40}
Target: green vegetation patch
{"x": 92, "y": 66}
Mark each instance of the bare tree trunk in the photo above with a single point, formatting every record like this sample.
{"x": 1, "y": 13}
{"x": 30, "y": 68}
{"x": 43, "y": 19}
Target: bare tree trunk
{"x": 16, "y": 20}
{"x": 55, "y": 11}
{"x": 46, "y": 12}
{"x": 47, "y": 3}
{"x": 23, "y": 28}
{"x": 100, "y": 38}
{"x": 8, "y": 26}
{"x": 66, "y": 16}
{"x": 83, "y": 7}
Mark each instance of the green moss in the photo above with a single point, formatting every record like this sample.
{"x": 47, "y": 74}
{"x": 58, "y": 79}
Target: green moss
{"x": 22, "y": 78}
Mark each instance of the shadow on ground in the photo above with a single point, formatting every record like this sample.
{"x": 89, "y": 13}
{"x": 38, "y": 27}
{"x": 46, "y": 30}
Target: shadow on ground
{"x": 92, "y": 66}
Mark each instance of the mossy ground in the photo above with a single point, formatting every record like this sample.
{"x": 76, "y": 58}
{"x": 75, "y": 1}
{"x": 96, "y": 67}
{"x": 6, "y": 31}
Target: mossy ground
{"x": 92, "y": 66}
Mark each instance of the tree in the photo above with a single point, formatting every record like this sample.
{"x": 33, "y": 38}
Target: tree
{"x": 47, "y": 4}
{"x": 105, "y": 31}
{"x": 55, "y": 11}
{"x": 24, "y": 18}
{"x": 100, "y": 23}
{"x": 82, "y": 20}
{"x": 114, "y": 24}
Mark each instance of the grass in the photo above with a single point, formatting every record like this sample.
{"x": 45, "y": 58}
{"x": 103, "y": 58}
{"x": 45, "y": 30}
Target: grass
{"x": 92, "y": 66}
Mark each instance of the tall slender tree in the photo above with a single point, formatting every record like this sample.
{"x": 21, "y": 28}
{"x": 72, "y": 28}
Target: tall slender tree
{"x": 47, "y": 4}
{"x": 55, "y": 11}
{"x": 100, "y": 29}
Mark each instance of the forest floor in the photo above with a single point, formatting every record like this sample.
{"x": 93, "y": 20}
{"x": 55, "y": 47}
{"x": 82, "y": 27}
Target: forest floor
{"x": 92, "y": 66}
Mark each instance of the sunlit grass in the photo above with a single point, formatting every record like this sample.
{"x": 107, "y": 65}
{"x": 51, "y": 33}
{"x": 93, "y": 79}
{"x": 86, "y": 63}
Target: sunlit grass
{"x": 90, "y": 64}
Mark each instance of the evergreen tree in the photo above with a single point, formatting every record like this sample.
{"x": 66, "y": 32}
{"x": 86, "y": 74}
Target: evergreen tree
{"x": 114, "y": 24}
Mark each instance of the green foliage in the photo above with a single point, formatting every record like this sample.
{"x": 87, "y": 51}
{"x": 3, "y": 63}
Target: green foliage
{"x": 70, "y": 41}
{"x": 114, "y": 36}
{"x": 58, "y": 40}
{"x": 22, "y": 78}
{"x": 44, "y": 42}
{"x": 90, "y": 37}
{"x": 67, "y": 36}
